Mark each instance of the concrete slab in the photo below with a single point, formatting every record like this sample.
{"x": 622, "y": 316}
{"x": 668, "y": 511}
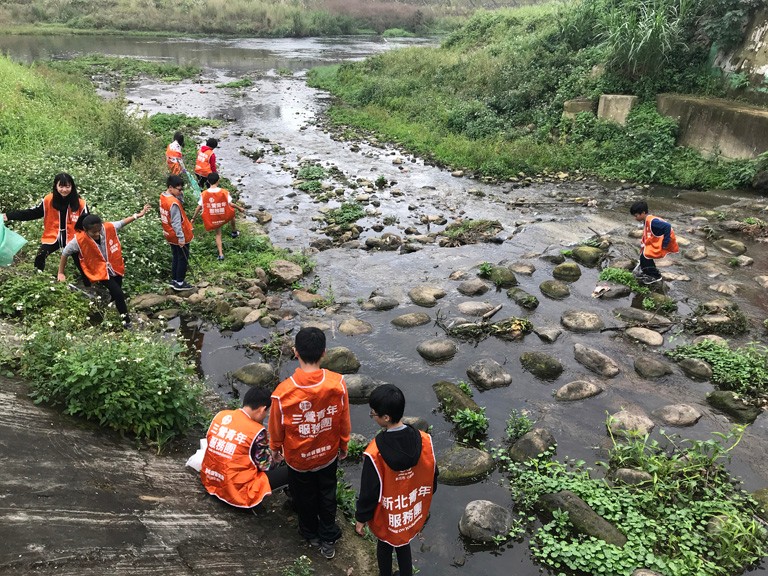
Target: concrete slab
{"x": 616, "y": 107}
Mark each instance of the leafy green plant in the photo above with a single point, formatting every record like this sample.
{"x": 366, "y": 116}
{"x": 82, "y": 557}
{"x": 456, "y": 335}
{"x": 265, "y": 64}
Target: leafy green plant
{"x": 346, "y": 214}
{"x": 665, "y": 523}
{"x": 127, "y": 68}
{"x": 241, "y": 83}
{"x": 381, "y": 182}
{"x": 311, "y": 172}
{"x": 485, "y": 269}
{"x": 355, "y": 450}
{"x": 165, "y": 125}
{"x": 621, "y": 276}
{"x": 345, "y": 496}
{"x": 132, "y": 382}
{"x": 466, "y": 388}
{"x": 470, "y": 424}
{"x": 743, "y": 370}
{"x": 518, "y": 425}
{"x": 302, "y": 566}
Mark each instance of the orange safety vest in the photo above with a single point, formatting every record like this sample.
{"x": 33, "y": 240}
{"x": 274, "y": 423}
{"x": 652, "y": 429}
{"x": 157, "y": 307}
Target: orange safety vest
{"x": 51, "y": 221}
{"x": 166, "y": 201}
{"x": 405, "y": 495}
{"x": 227, "y": 471}
{"x": 651, "y": 244}
{"x": 203, "y": 163}
{"x": 314, "y": 419}
{"x": 173, "y": 158}
{"x": 217, "y": 211}
{"x": 95, "y": 267}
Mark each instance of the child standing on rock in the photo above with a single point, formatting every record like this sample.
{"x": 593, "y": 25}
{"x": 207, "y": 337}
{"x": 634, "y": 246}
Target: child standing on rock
{"x": 658, "y": 241}
{"x": 217, "y": 207}
{"x": 398, "y": 480}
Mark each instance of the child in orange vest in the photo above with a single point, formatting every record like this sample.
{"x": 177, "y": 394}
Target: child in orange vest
{"x": 237, "y": 467}
{"x": 206, "y": 161}
{"x": 101, "y": 255}
{"x": 658, "y": 241}
{"x": 174, "y": 156}
{"x": 217, "y": 207}
{"x": 397, "y": 483}
{"x": 309, "y": 428}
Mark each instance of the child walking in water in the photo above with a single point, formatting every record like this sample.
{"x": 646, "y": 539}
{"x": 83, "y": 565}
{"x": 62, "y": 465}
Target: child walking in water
{"x": 217, "y": 207}
{"x": 658, "y": 241}
{"x": 101, "y": 255}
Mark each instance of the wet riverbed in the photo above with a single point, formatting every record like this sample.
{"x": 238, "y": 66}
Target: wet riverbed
{"x": 281, "y": 110}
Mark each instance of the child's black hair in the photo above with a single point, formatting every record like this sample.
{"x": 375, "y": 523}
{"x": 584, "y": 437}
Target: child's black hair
{"x": 212, "y": 178}
{"x": 388, "y": 400}
{"x": 211, "y": 142}
{"x": 179, "y": 137}
{"x": 639, "y": 207}
{"x": 72, "y": 199}
{"x": 256, "y": 397}
{"x": 310, "y": 344}
{"x": 174, "y": 181}
{"x": 86, "y": 221}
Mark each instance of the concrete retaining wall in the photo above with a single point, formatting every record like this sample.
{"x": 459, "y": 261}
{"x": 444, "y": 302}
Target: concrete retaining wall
{"x": 711, "y": 125}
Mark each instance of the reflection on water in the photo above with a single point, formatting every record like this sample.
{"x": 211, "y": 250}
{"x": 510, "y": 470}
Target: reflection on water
{"x": 233, "y": 56}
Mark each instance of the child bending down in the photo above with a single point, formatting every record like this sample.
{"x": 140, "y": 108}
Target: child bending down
{"x": 101, "y": 255}
{"x": 218, "y": 208}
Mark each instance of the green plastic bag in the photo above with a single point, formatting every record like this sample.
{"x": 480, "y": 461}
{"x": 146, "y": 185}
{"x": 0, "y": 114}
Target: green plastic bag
{"x": 195, "y": 187}
{"x": 10, "y": 243}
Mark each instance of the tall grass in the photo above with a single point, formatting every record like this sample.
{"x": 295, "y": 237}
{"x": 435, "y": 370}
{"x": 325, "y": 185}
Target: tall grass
{"x": 497, "y": 85}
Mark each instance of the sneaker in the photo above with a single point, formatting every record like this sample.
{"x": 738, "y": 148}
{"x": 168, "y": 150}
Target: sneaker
{"x": 221, "y": 257}
{"x": 648, "y": 280}
{"x": 313, "y": 542}
{"x": 327, "y": 549}
{"x": 235, "y": 234}
{"x": 179, "y": 286}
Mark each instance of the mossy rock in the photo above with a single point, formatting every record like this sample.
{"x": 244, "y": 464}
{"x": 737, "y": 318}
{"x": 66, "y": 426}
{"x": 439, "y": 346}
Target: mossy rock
{"x": 452, "y": 399}
{"x": 541, "y": 365}
{"x": 523, "y": 298}
{"x": 555, "y": 289}
{"x": 588, "y": 256}
{"x": 461, "y": 465}
{"x": 567, "y": 272}
{"x": 502, "y": 277}
{"x": 730, "y": 403}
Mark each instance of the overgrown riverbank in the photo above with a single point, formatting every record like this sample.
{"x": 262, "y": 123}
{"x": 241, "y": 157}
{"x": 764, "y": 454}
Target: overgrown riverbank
{"x": 490, "y": 99}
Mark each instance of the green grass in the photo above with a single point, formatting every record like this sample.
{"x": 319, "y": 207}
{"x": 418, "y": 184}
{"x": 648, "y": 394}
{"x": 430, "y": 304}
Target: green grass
{"x": 125, "y": 68}
{"x": 490, "y": 98}
{"x": 241, "y": 83}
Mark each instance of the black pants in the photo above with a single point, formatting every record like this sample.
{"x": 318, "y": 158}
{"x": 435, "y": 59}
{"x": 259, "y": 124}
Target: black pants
{"x": 278, "y": 477}
{"x": 314, "y": 494}
{"x": 202, "y": 181}
{"x": 648, "y": 266}
{"x": 115, "y": 287}
{"x": 180, "y": 262}
{"x": 384, "y": 558}
{"x": 46, "y": 250}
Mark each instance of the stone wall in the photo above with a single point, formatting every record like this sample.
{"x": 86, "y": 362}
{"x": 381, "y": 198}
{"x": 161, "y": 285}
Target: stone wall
{"x": 752, "y": 57}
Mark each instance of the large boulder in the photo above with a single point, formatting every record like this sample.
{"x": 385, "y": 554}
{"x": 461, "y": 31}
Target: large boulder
{"x": 502, "y": 277}
{"x": 461, "y": 465}
{"x": 475, "y": 308}
{"x": 733, "y": 405}
{"x": 412, "y": 319}
{"x": 567, "y": 272}
{"x": 677, "y": 415}
{"x": 355, "y": 327}
{"x": 581, "y": 321}
{"x": 482, "y": 521}
{"x": 426, "y": 295}
{"x": 595, "y": 360}
{"x": 380, "y": 303}
{"x": 542, "y": 365}
{"x": 473, "y": 287}
{"x": 360, "y": 386}
{"x": 645, "y": 336}
{"x": 486, "y": 373}
{"x": 257, "y": 374}
{"x": 577, "y": 390}
{"x": 588, "y": 256}
{"x": 523, "y": 298}
{"x": 285, "y": 273}
{"x": 340, "y": 359}
{"x": 148, "y": 301}
{"x": 555, "y": 289}
{"x": 696, "y": 369}
{"x": 731, "y": 247}
{"x": 581, "y": 516}
{"x": 532, "y": 445}
{"x": 437, "y": 349}
{"x": 452, "y": 399}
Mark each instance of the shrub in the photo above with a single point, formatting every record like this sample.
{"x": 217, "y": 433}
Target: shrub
{"x": 470, "y": 424}
{"x": 131, "y": 382}
{"x": 518, "y": 425}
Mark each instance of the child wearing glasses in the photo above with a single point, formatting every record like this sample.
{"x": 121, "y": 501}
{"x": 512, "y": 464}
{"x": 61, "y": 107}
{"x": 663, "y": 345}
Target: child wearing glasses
{"x": 398, "y": 480}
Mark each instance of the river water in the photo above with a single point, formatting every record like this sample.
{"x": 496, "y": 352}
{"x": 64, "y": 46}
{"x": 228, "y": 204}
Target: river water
{"x": 280, "y": 109}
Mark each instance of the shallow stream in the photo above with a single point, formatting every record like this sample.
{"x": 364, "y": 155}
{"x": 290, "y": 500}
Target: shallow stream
{"x": 280, "y": 110}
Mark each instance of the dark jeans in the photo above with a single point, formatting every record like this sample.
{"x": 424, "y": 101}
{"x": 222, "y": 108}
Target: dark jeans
{"x": 202, "y": 181}
{"x": 180, "y": 262}
{"x": 115, "y": 287}
{"x": 314, "y": 494}
{"x": 46, "y": 250}
{"x": 384, "y": 558}
{"x": 648, "y": 266}
{"x": 278, "y": 477}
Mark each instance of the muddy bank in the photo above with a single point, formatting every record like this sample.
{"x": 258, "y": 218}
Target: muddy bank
{"x": 77, "y": 500}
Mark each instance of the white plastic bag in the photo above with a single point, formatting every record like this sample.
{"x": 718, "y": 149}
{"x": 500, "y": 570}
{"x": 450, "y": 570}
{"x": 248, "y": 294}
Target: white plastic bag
{"x": 196, "y": 460}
